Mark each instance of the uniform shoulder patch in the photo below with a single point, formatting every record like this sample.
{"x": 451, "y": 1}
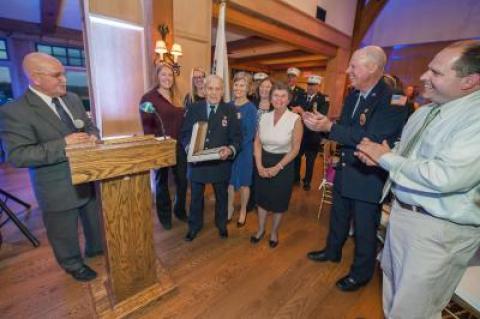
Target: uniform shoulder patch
{"x": 398, "y": 100}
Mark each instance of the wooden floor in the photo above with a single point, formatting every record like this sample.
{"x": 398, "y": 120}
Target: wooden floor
{"x": 215, "y": 278}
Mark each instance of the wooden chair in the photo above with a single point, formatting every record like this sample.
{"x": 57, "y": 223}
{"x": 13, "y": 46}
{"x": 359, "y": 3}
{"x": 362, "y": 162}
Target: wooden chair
{"x": 326, "y": 185}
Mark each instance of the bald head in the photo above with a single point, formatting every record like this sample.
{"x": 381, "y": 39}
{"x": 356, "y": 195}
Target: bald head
{"x": 38, "y": 62}
{"x": 373, "y": 54}
{"x": 366, "y": 67}
{"x": 45, "y": 73}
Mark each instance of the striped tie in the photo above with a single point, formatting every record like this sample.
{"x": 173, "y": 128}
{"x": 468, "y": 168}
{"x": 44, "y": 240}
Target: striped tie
{"x": 407, "y": 151}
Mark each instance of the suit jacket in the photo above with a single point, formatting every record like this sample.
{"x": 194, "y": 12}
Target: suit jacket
{"x": 223, "y": 130}
{"x": 33, "y": 137}
{"x": 376, "y": 119}
{"x": 299, "y": 97}
{"x": 311, "y": 139}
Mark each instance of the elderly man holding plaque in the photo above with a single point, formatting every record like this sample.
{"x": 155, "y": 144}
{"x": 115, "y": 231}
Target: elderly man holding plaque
{"x": 224, "y": 133}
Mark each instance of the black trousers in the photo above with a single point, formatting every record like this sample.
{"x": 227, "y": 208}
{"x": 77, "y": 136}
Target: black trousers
{"x": 195, "y": 218}
{"x": 62, "y": 233}
{"x": 366, "y": 217}
{"x": 310, "y": 156}
{"x": 163, "y": 201}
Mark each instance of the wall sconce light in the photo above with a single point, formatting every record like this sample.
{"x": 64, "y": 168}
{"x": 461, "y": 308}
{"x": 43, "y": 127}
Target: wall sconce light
{"x": 165, "y": 55}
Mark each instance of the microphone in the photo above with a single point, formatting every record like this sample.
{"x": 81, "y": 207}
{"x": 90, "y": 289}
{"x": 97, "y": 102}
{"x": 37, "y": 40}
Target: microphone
{"x": 147, "y": 107}
{"x": 79, "y": 125}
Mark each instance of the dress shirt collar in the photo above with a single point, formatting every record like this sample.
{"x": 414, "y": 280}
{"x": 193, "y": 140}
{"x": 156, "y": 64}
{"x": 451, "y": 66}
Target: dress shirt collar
{"x": 47, "y": 99}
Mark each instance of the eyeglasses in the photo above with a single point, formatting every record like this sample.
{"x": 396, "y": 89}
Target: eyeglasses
{"x": 199, "y": 77}
{"x": 56, "y": 75}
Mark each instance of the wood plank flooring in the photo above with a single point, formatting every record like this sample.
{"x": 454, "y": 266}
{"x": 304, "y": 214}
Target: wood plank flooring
{"x": 216, "y": 278}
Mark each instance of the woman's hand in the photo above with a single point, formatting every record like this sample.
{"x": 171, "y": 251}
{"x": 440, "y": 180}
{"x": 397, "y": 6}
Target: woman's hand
{"x": 273, "y": 171}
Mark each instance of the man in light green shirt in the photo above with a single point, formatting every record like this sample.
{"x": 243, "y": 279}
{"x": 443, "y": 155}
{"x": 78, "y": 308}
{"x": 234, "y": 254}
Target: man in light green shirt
{"x": 434, "y": 227}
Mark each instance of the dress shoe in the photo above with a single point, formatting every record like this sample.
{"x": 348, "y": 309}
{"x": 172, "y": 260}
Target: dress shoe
{"x": 321, "y": 256}
{"x": 223, "y": 233}
{"x": 94, "y": 254}
{"x": 273, "y": 243}
{"x": 254, "y": 239}
{"x": 84, "y": 273}
{"x": 349, "y": 283}
{"x": 190, "y": 236}
{"x": 307, "y": 187}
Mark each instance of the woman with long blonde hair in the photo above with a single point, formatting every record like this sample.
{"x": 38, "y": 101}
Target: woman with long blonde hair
{"x": 163, "y": 99}
{"x": 197, "y": 83}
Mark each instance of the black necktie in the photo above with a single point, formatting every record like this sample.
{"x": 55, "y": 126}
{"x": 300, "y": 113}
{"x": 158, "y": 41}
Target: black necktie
{"x": 63, "y": 115}
{"x": 361, "y": 100}
{"x": 212, "y": 112}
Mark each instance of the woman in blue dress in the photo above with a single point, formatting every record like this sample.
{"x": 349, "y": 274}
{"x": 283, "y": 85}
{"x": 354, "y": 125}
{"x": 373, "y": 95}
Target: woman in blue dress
{"x": 241, "y": 177}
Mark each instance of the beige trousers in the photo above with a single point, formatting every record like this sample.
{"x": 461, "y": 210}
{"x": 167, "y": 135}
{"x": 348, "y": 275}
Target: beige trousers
{"x": 423, "y": 260}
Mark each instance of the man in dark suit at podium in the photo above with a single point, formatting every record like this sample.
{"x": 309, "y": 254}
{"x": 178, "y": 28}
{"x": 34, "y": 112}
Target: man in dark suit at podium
{"x": 35, "y": 130}
{"x": 223, "y": 131}
{"x": 368, "y": 112}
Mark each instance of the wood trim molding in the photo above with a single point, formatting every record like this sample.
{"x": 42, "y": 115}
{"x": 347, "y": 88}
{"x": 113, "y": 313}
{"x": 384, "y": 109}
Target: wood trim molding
{"x": 50, "y": 11}
{"x": 364, "y": 18}
{"x": 30, "y": 28}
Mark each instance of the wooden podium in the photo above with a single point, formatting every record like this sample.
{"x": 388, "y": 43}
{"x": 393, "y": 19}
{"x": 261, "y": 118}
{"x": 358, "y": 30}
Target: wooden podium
{"x": 134, "y": 275}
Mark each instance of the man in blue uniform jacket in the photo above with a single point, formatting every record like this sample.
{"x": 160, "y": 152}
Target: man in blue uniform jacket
{"x": 368, "y": 112}
{"x": 223, "y": 131}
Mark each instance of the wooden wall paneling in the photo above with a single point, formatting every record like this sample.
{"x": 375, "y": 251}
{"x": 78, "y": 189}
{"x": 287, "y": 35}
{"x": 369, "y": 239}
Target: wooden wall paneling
{"x": 335, "y": 81}
{"x": 126, "y": 10}
{"x": 192, "y": 30}
{"x": 409, "y": 62}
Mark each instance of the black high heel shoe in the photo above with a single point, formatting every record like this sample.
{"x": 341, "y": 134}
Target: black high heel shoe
{"x": 241, "y": 224}
{"x": 254, "y": 239}
{"x": 273, "y": 243}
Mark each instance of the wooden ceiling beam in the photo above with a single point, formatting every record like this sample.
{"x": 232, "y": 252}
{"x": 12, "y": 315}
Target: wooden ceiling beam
{"x": 50, "y": 12}
{"x": 276, "y": 12}
{"x": 300, "y": 65}
{"x": 30, "y": 28}
{"x": 275, "y": 32}
{"x": 266, "y": 57}
{"x": 366, "y": 15}
{"x": 247, "y": 43}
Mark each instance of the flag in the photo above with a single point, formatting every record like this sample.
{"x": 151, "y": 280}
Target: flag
{"x": 220, "y": 60}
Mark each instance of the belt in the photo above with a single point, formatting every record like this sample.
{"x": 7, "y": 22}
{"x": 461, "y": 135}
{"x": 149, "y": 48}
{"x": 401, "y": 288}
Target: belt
{"x": 413, "y": 208}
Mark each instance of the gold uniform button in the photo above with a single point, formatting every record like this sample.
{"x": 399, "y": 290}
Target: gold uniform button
{"x": 343, "y": 153}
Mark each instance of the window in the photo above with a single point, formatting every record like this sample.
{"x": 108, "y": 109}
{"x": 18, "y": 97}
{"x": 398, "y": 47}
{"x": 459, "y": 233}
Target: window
{"x": 6, "y": 93}
{"x": 77, "y": 83}
{"x": 3, "y": 50}
{"x": 68, "y": 56}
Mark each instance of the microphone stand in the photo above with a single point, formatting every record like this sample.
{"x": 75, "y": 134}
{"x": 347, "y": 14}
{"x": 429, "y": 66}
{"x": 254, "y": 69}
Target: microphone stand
{"x": 11, "y": 215}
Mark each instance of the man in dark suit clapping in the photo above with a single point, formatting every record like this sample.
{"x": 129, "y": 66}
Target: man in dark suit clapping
{"x": 35, "y": 130}
{"x": 368, "y": 112}
{"x": 223, "y": 131}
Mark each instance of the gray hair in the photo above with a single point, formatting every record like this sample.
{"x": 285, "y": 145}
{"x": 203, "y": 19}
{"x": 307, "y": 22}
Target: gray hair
{"x": 213, "y": 77}
{"x": 375, "y": 55}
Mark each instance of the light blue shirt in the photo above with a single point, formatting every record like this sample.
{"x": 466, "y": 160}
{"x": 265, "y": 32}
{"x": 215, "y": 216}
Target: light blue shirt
{"x": 442, "y": 173}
